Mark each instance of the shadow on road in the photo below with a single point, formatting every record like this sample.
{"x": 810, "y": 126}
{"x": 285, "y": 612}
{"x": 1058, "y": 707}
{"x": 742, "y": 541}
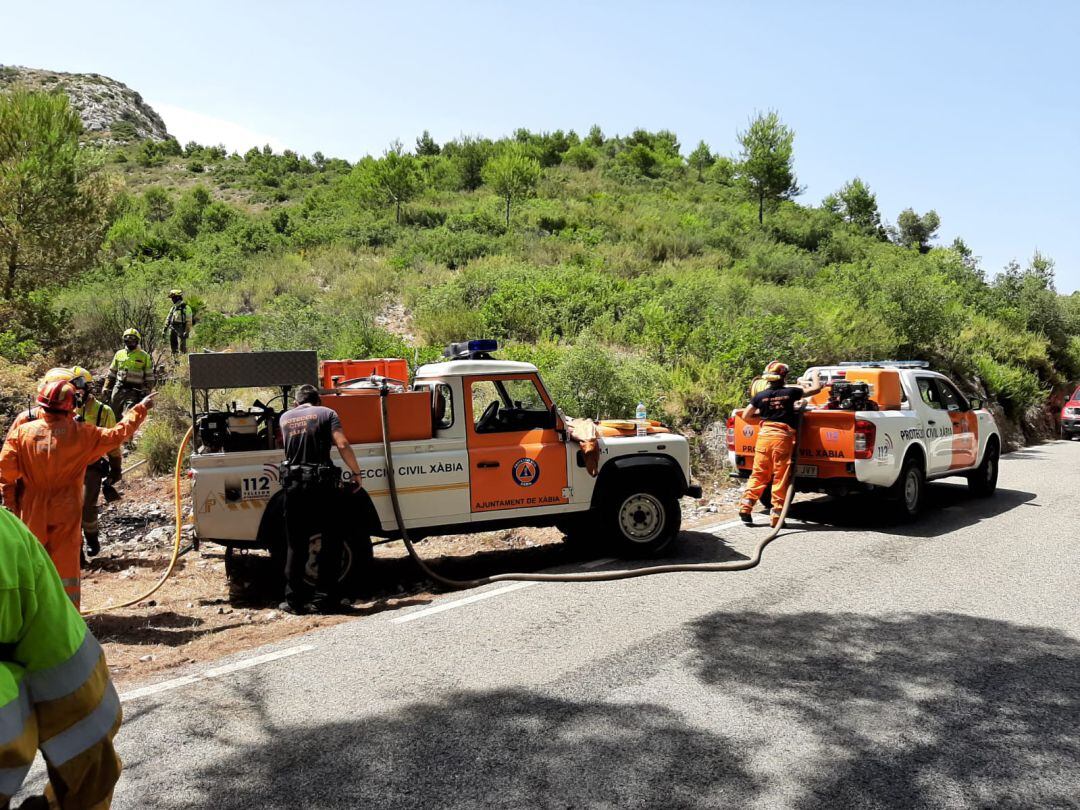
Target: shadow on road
{"x": 948, "y": 507}
{"x": 507, "y": 749}
{"x": 923, "y": 710}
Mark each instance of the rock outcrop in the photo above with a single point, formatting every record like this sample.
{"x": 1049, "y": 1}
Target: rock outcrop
{"x": 109, "y": 109}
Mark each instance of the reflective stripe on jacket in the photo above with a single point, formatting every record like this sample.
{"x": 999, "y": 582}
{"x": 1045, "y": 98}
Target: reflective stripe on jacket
{"x": 55, "y": 692}
{"x": 179, "y": 320}
{"x": 134, "y": 368}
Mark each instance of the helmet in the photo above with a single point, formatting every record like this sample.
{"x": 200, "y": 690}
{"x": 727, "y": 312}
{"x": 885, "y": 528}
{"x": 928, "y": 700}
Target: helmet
{"x": 176, "y": 293}
{"x": 80, "y": 377}
{"x": 57, "y": 396}
{"x": 776, "y": 371}
{"x": 56, "y": 375}
{"x": 132, "y": 333}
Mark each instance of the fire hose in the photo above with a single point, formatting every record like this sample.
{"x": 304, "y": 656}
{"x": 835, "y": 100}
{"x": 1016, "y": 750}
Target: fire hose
{"x": 178, "y": 506}
{"x": 599, "y": 576}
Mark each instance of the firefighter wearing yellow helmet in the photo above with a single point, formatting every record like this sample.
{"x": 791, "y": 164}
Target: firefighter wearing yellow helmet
{"x": 178, "y": 324}
{"x": 131, "y": 375}
{"x": 105, "y": 469}
{"x": 778, "y": 406}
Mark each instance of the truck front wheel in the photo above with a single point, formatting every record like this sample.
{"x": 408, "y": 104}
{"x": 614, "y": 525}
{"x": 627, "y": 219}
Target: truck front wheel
{"x": 640, "y": 521}
{"x": 982, "y": 481}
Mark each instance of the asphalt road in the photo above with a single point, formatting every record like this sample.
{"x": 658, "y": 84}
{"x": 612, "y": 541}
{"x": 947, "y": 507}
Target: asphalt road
{"x": 864, "y": 664}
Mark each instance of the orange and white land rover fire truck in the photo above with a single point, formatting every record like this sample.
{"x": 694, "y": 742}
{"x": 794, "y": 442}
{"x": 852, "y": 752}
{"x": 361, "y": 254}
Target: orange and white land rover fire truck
{"x": 478, "y": 444}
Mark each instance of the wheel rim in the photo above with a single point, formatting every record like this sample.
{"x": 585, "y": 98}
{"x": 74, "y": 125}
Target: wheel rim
{"x": 346, "y": 564}
{"x": 911, "y": 490}
{"x": 642, "y": 518}
{"x": 991, "y": 469}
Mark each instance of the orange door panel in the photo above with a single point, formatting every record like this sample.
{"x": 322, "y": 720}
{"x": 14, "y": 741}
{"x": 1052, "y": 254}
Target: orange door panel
{"x": 512, "y": 469}
{"x": 965, "y": 441}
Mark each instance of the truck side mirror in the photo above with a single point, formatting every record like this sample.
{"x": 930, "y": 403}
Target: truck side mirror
{"x": 976, "y": 404}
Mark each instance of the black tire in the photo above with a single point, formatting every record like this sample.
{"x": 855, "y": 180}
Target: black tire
{"x": 357, "y": 569}
{"x": 982, "y": 481}
{"x": 639, "y": 520}
{"x": 909, "y": 491}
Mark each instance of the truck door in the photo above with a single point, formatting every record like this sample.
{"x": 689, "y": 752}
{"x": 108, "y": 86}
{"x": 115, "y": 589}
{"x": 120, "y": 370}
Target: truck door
{"x": 516, "y": 458}
{"x": 949, "y": 425}
{"x": 964, "y": 449}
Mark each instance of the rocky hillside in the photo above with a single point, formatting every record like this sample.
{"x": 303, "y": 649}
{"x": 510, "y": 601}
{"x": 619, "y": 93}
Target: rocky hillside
{"x": 109, "y": 109}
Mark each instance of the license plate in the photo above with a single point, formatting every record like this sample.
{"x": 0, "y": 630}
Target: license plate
{"x": 806, "y": 470}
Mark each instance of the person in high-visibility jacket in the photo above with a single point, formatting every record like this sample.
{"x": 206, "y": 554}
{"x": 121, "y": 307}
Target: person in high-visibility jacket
{"x": 107, "y": 468}
{"x": 178, "y": 324}
{"x": 131, "y": 374}
{"x": 778, "y": 406}
{"x": 56, "y": 696}
{"x": 49, "y": 455}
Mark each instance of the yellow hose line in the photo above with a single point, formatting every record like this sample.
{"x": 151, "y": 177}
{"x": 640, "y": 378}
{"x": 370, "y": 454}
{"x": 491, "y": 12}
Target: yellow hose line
{"x": 177, "y": 504}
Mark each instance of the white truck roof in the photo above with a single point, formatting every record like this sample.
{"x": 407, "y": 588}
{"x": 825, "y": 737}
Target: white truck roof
{"x": 466, "y": 368}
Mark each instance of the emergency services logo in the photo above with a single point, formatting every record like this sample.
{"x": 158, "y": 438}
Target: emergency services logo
{"x": 526, "y": 472}
{"x": 832, "y": 435}
{"x": 747, "y": 431}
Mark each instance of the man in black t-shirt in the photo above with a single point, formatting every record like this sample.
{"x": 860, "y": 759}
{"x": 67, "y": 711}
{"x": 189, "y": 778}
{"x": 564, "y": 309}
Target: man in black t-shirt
{"x": 313, "y": 502}
{"x": 778, "y": 407}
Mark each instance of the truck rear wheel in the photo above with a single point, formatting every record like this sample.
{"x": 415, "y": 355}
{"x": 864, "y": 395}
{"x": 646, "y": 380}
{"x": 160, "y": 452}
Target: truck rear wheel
{"x": 639, "y": 520}
{"x": 982, "y": 481}
{"x": 356, "y": 575}
{"x": 909, "y": 491}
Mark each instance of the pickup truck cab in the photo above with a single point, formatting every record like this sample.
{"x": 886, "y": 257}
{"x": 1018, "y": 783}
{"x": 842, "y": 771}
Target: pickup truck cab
{"x": 1070, "y": 416}
{"x": 886, "y": 427}
{"x": 478, "y": 444}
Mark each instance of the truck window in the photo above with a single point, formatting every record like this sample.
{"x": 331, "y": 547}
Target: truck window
{"x": 929, "y": 392}
{"x": 442, "y": 407}
{"x": 951, "y": 399}
{"x": 507, "y": 406}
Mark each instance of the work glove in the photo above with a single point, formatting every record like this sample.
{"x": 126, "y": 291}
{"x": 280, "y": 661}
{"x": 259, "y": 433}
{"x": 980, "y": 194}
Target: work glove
{"x": 116, "y": 472}
{"x": 148, "y": 401}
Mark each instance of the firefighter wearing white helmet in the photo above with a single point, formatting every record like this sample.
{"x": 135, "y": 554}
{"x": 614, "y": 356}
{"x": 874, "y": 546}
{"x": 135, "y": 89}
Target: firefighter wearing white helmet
{"x": 106, "y": 469}
{"x": 131, "y": 375}
{"x": 178, "y": 324}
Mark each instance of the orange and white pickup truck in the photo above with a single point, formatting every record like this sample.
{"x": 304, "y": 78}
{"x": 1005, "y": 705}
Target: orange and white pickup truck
{"x": 478, "y": 444}
{"x": 889, "y": 427}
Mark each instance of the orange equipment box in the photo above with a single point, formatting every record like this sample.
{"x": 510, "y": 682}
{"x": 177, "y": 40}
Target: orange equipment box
{"x": 343, "y": 370}
{"x": 885, "y": 385}
{"x": 409, "y": 414}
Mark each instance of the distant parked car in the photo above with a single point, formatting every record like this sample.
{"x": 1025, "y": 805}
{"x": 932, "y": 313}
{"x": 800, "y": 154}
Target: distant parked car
{"x": 1070, "y": 416}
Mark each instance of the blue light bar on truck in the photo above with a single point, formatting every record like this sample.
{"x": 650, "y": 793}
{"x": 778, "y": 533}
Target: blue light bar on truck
{"x": 474, "y": 350}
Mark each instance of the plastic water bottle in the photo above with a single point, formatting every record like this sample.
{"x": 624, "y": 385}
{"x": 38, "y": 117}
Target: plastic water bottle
{"x": 639, "y": 417}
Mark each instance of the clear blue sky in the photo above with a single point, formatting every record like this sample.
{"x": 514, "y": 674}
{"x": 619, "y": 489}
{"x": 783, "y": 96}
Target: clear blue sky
{"x": 972, "y": 109}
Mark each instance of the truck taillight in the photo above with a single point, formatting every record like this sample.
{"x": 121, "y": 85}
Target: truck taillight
{"x": 865, "y": 434}
{"x": 730, "y": 433}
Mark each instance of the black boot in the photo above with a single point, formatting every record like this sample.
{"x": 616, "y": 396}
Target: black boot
{"x": 93, "y": 546}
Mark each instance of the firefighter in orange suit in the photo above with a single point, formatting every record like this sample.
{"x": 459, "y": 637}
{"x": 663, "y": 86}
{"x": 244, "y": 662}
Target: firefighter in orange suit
{"x": 778, "y": 407}
{"x": 49, "y": 455}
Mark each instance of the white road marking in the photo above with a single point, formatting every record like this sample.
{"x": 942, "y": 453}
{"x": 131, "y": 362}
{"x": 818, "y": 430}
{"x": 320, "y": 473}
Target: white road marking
{"x": 730, "y": 524}
{"x": 468, "y": 600}
{"x": 216, "y": 672}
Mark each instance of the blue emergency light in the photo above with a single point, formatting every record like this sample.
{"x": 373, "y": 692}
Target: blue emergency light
{"x": 473, "y": 350}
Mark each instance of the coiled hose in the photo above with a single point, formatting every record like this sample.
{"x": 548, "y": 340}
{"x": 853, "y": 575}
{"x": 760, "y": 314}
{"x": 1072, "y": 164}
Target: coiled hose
{"x": 177, "y": 505}
{"x": 599, "y": 576}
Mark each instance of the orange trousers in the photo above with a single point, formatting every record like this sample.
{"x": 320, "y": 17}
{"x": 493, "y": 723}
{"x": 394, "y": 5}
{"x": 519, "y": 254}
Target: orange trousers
{"x": 772, "y": 465}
